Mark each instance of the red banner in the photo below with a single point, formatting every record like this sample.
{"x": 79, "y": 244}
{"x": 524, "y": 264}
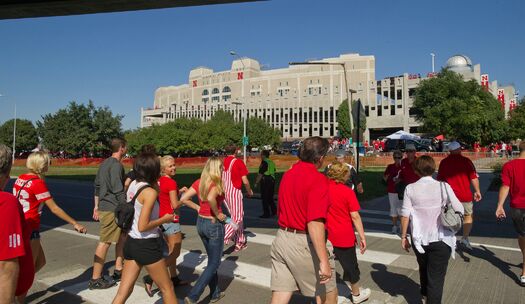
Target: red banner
{"x": 240, "y": 75}
{"x": 512, "y": 104}
{"x": 485, "y": 82}
{"x": 501, "y": 97}
{"x": 194, "y": 83}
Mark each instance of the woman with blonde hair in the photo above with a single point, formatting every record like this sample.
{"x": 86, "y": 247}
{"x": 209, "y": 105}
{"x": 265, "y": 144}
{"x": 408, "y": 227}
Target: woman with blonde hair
{"x": 32, "y": 193}
{"x": 169, "y": 204}
{"x": 210, "y": 226}
{"x": 343, "y": 216}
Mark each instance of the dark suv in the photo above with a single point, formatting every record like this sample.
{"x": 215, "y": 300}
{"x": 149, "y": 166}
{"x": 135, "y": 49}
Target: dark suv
{"x": 400, "y": 144}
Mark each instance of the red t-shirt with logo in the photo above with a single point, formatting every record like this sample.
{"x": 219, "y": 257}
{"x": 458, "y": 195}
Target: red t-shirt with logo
{"x": 513, "y": 176}
{"x": 458, "y": 171}
{"x": 303, "y": 196}
{"x": 392, "y": 171}
{"x": 31, "y": 197}
{"x": 166, "y": 185}
{"x": 339, "y": 222}
{"x": 238, "y": 170}
{"x": 408, "y": 175}
{"x": 14, "y": 240}
{"x": 205, "y": 208}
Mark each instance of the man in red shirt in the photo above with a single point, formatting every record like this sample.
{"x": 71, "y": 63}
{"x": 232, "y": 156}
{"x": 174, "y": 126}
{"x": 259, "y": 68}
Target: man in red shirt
{"x": 407, "y": 175}
{"x": 302, "y": 259}
{"x": 235, "y": 174}
{"x": 16, "y": 261}
{"x": 459, "y": 172}
{"x": 513, "y": 182}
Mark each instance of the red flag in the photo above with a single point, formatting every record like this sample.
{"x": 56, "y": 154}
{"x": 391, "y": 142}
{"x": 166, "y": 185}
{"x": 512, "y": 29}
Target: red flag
{"x": 240, "y": 75}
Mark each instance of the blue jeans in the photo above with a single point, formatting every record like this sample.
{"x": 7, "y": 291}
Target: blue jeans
{"x": 212, "y": 236}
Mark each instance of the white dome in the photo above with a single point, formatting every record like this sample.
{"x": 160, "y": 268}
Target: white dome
{"x": 459, "y": 61}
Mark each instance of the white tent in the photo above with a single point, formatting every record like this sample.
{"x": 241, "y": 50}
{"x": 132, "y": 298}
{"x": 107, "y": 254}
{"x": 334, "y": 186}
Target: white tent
{"x": 402, "y": 135}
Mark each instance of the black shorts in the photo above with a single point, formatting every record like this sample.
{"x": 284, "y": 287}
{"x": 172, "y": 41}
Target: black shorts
{"x": 348, "y": 260}
{"x": 518, "y": 218}
{"x": 143, "y": 251}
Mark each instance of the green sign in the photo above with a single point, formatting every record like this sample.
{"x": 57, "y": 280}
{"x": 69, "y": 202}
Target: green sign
{"x": 245, "y": 140}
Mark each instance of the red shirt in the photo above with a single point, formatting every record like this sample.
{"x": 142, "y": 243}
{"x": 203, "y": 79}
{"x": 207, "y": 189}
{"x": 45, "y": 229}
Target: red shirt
{"x": 339, "y": 222}
{"x": 458, "y": 171}
{"x": 408, "y": 175}
{"x": 303, "y": 196}
{"x": 238, "y": 170}
{"x": 392, "y": 171}
{"x": 166, "y": 185}
{"x": 32, "y": 197}
{"x": 205, "y": 209}
{"x": 14, "y": 240}
{"x": 513, "y": 176}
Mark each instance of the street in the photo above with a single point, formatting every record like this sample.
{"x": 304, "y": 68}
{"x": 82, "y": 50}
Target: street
{"x": 487, "y": 274}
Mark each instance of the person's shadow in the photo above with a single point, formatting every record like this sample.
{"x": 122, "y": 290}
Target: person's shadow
{"x": 484, "y": 253}
{"x": 396, "y": 284}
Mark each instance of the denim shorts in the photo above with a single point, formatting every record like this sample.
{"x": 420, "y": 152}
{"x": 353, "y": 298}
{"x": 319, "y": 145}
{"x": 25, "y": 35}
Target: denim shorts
{"x": 170, "y": 228}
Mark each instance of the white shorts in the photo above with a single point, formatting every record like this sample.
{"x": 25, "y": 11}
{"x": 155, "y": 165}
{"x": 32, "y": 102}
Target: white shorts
{"x": 395, "y": 204}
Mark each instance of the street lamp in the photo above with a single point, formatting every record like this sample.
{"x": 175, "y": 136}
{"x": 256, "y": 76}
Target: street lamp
{"x": 433, "y": 55}
{"x": 244, "y": 138}
{"x": 349, "y": 93}
{"x": 14, "y": 132}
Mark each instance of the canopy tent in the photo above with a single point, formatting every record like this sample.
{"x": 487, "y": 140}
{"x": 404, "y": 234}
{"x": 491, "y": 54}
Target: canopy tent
{"x": 402, "y": 135}
{"x": 440, "y": 137}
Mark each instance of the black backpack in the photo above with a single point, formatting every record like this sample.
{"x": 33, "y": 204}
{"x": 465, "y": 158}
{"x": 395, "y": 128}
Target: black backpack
{"x": 124, "y": 213}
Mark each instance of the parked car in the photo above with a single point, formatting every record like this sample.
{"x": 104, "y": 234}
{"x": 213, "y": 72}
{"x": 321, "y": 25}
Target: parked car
{"x": 400, "y": 144}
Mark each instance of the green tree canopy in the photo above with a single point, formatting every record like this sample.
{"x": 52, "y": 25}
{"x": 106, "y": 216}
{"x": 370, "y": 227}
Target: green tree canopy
{"x": 517, "y": 121}
{"x": 193, "y": 136}
{"x": 343, "y": 120}
{"x": 79, "y": 127}
{"x": 26, "y": 136}
{"x": 459, "y": 109}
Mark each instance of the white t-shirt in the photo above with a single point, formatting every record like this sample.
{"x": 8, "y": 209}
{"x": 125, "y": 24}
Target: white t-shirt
{"x": 134, "y": 232}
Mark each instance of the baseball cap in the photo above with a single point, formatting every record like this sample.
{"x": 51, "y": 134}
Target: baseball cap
{"x": 454, "y": 146}
{"x": 340, "y": 153}
{"x": 410, "y": 147}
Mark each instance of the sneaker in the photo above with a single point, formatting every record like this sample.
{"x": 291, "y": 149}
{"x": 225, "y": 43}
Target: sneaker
{"x": 364, "y": 294}
{"x": 343, "y": 300}
{"x": 466, "y": 243}
{"x": 394, "y": 229}
{"x": 100, "y": 283}
{"x": 221, "y": 295}
{"x": 522, "y": 280}
{"x": 117, "y": 275}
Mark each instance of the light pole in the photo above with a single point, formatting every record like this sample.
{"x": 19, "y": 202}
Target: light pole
{"x": 349, "y": 93}
{"x": 244, "y": 138}
{"x": 14, "y": 133}
{"x": 433, "y": 55}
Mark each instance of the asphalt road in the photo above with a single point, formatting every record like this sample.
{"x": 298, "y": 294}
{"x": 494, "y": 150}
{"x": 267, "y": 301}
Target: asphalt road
{"x": 486, "y": 274}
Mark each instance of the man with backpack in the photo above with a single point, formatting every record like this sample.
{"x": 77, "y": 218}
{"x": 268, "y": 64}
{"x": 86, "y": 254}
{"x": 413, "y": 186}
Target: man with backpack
{"x": 266, "y": 178}
{"x": 109, "y": 193}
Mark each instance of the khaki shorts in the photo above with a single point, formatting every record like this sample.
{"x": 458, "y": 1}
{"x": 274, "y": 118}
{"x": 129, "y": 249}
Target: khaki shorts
{"x": 469, "y": 208}
{"x": 109, "y": 231}
{"x": 295, "y": 265}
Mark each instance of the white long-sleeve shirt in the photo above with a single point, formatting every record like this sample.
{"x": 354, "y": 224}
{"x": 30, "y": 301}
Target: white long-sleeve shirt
{"x": 422, "y": 204}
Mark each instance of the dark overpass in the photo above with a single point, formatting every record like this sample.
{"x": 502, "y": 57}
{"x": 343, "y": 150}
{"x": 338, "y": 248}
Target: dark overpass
{"x": 15, "y": 9}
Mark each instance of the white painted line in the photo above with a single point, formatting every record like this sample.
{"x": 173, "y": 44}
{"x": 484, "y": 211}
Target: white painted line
{"x": 138, "y": 296}
{"x": 496, "y": 247}
{"x": 72, "y": 232}
{"x": 371, "y": 256}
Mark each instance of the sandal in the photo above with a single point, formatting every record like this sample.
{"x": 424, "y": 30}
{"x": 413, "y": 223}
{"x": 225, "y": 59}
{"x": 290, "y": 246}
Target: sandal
{"x": 148, "y": 285}
{"x": 178, "y": 282}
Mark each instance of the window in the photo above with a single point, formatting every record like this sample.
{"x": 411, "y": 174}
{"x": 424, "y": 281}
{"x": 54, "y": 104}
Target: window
{"x": 412, "y": 111}
{"x": 215, "y": 98}
{"x": 226, "y": 97}
{"x": 411, "y": 92}
{"x": 392, "y": 110}
{"x": 204, "y": 99}
{"x": 367, "y": 111}
{"x": 399, "y": 95}
{"x": 226, "y": 89}
{"x": 399, "y": 106}
{"x": 379, "y": 111}
{"x": 205, "y": 92}
{"x": 215, "y": 91}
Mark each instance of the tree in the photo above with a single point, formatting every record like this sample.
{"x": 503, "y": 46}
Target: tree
{"x": 261, "y": 133}
{"x": 79, "y": 127}
{"x": 459, "y": 109}
{"x": 517, "y": 121}
{"x": 343, "y": 120}
{"x": 26, "y": 136}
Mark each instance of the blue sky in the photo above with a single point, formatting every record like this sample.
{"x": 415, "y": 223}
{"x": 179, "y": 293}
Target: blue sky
{"x": 119, "y": 59}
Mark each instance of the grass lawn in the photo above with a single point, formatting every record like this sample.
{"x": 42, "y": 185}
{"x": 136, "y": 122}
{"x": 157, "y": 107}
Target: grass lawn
{"x": 372, "y": 178}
